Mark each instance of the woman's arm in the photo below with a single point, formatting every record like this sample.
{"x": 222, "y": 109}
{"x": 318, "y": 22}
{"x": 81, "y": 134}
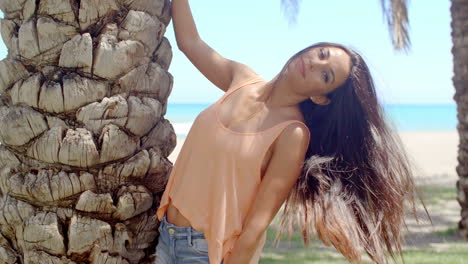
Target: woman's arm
{"x": 282, "y": 173}
{"x": 220, "y": 71}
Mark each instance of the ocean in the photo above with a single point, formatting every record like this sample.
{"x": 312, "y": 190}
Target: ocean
{"x": 405, "y": 117}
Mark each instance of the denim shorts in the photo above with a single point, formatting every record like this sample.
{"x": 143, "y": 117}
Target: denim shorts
{"x": 180, "y": 245}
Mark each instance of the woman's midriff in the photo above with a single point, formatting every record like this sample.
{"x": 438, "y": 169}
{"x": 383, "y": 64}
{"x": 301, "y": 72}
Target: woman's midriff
{"x": 175, "y": 217}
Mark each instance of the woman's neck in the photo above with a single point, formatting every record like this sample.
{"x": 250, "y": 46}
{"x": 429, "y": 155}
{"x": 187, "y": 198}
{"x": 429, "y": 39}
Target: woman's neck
{"x": 276, "y": 94}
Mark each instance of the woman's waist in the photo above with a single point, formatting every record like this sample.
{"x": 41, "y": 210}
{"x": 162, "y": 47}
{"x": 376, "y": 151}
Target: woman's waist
{"x": 175, "y": 217}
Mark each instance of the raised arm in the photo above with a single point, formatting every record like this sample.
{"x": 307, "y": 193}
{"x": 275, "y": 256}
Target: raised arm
{"x": 220, "y": 71}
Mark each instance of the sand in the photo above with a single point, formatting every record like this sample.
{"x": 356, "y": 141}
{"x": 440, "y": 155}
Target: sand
{"x": 433, "y": 154}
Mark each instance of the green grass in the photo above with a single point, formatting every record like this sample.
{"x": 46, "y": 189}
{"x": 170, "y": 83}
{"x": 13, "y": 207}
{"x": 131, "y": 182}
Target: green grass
{"x": 302, "y": 256}
{"x": 453, "y": 252}
{"x": 296, "y": 238}
{"x": 449, "y": 232}
{"x": 433, "y": 194}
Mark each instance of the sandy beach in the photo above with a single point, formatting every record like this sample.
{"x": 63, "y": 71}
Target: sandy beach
{"x": 433, "y": 154}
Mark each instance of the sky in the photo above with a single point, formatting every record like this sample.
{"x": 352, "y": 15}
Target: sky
{"x": 256, "y": 33}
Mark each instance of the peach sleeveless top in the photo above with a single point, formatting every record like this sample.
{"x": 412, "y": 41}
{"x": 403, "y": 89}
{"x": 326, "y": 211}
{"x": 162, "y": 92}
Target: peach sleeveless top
{"x": 216, "y": 176}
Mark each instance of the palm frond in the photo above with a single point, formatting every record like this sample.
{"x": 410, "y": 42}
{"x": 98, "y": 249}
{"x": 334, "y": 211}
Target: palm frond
{"x": 396, "y": 14}
{"x": 290, "y": 9}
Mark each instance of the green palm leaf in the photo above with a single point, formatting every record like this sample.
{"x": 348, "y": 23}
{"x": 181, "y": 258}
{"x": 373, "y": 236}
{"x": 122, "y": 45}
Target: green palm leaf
{"x": 394, "y": 11}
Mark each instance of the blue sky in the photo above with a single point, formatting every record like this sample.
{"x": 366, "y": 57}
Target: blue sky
{"x": 255, "y": 32}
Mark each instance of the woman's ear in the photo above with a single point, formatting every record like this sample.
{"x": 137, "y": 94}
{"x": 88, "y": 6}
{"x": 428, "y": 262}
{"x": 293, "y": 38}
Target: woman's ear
{"x": 320, "y": 100}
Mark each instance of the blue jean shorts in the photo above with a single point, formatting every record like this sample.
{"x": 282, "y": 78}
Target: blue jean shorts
{"x": 180, "y": 245}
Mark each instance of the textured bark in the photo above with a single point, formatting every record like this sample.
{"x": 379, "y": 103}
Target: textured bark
{"x": 62, "y": 10}
{"x": 84, "y": 142}
{"x": 41, "y": 42}
{"x": 10, "y": 72}
{"x": 78, "y": 53}
{"x": 459, "y": 10}
{"x": 114, "y": 58}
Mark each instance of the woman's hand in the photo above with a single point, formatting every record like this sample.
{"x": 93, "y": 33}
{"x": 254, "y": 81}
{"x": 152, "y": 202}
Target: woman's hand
{"x": 227, "y": 258}
{"x": 236, "y": 259}
{"x": 242, "y": 252}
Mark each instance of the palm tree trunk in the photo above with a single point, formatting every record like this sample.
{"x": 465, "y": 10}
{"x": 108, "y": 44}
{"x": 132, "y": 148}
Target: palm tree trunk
{"x": 459, "y": 10}
{"x": 84, "y": 142}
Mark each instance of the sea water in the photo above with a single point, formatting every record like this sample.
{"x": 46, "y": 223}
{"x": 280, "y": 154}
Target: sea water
{"x": 405, "y": 117}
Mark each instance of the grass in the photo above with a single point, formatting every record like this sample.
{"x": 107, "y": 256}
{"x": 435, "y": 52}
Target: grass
{"x": 296, "y": 238}
{"x": 449, "y": 232}
{"x": 453, "y": 249}
{"x": 452, "y": 254}
{"x": 302, "y": 256}
{"x": 433, "y": 194}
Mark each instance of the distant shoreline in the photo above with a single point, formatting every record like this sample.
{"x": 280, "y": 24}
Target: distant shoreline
{"x": 433, "y": 154}
{"x": 403, "y": 117}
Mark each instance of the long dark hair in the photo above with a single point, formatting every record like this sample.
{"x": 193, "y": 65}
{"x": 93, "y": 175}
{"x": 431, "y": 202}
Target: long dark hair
{"x": 356, "y": 179}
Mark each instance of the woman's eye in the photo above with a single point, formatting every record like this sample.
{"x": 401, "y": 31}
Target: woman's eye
{"x": 321, "y": 54}
{"x": 325, "y": 77}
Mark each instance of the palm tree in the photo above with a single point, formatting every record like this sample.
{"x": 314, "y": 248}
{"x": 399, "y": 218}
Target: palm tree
{"x": 83, "y": 160}
{"x": 459, "y": 11}
{"x": 396, "y": 14}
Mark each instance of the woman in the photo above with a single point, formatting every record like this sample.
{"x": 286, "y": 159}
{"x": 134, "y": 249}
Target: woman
{"x": 314, "y": 136}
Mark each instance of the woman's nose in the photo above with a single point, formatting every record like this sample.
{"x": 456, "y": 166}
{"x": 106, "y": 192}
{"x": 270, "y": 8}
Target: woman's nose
{"x": 313, "y": 63}
{"x": 318, "y": 61}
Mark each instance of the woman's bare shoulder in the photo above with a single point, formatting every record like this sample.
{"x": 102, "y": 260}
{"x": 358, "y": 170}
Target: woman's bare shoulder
{"x": 241, "y": 75}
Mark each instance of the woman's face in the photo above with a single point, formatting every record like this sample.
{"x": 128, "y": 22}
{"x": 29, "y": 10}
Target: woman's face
{"x": 318, "y": 71}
